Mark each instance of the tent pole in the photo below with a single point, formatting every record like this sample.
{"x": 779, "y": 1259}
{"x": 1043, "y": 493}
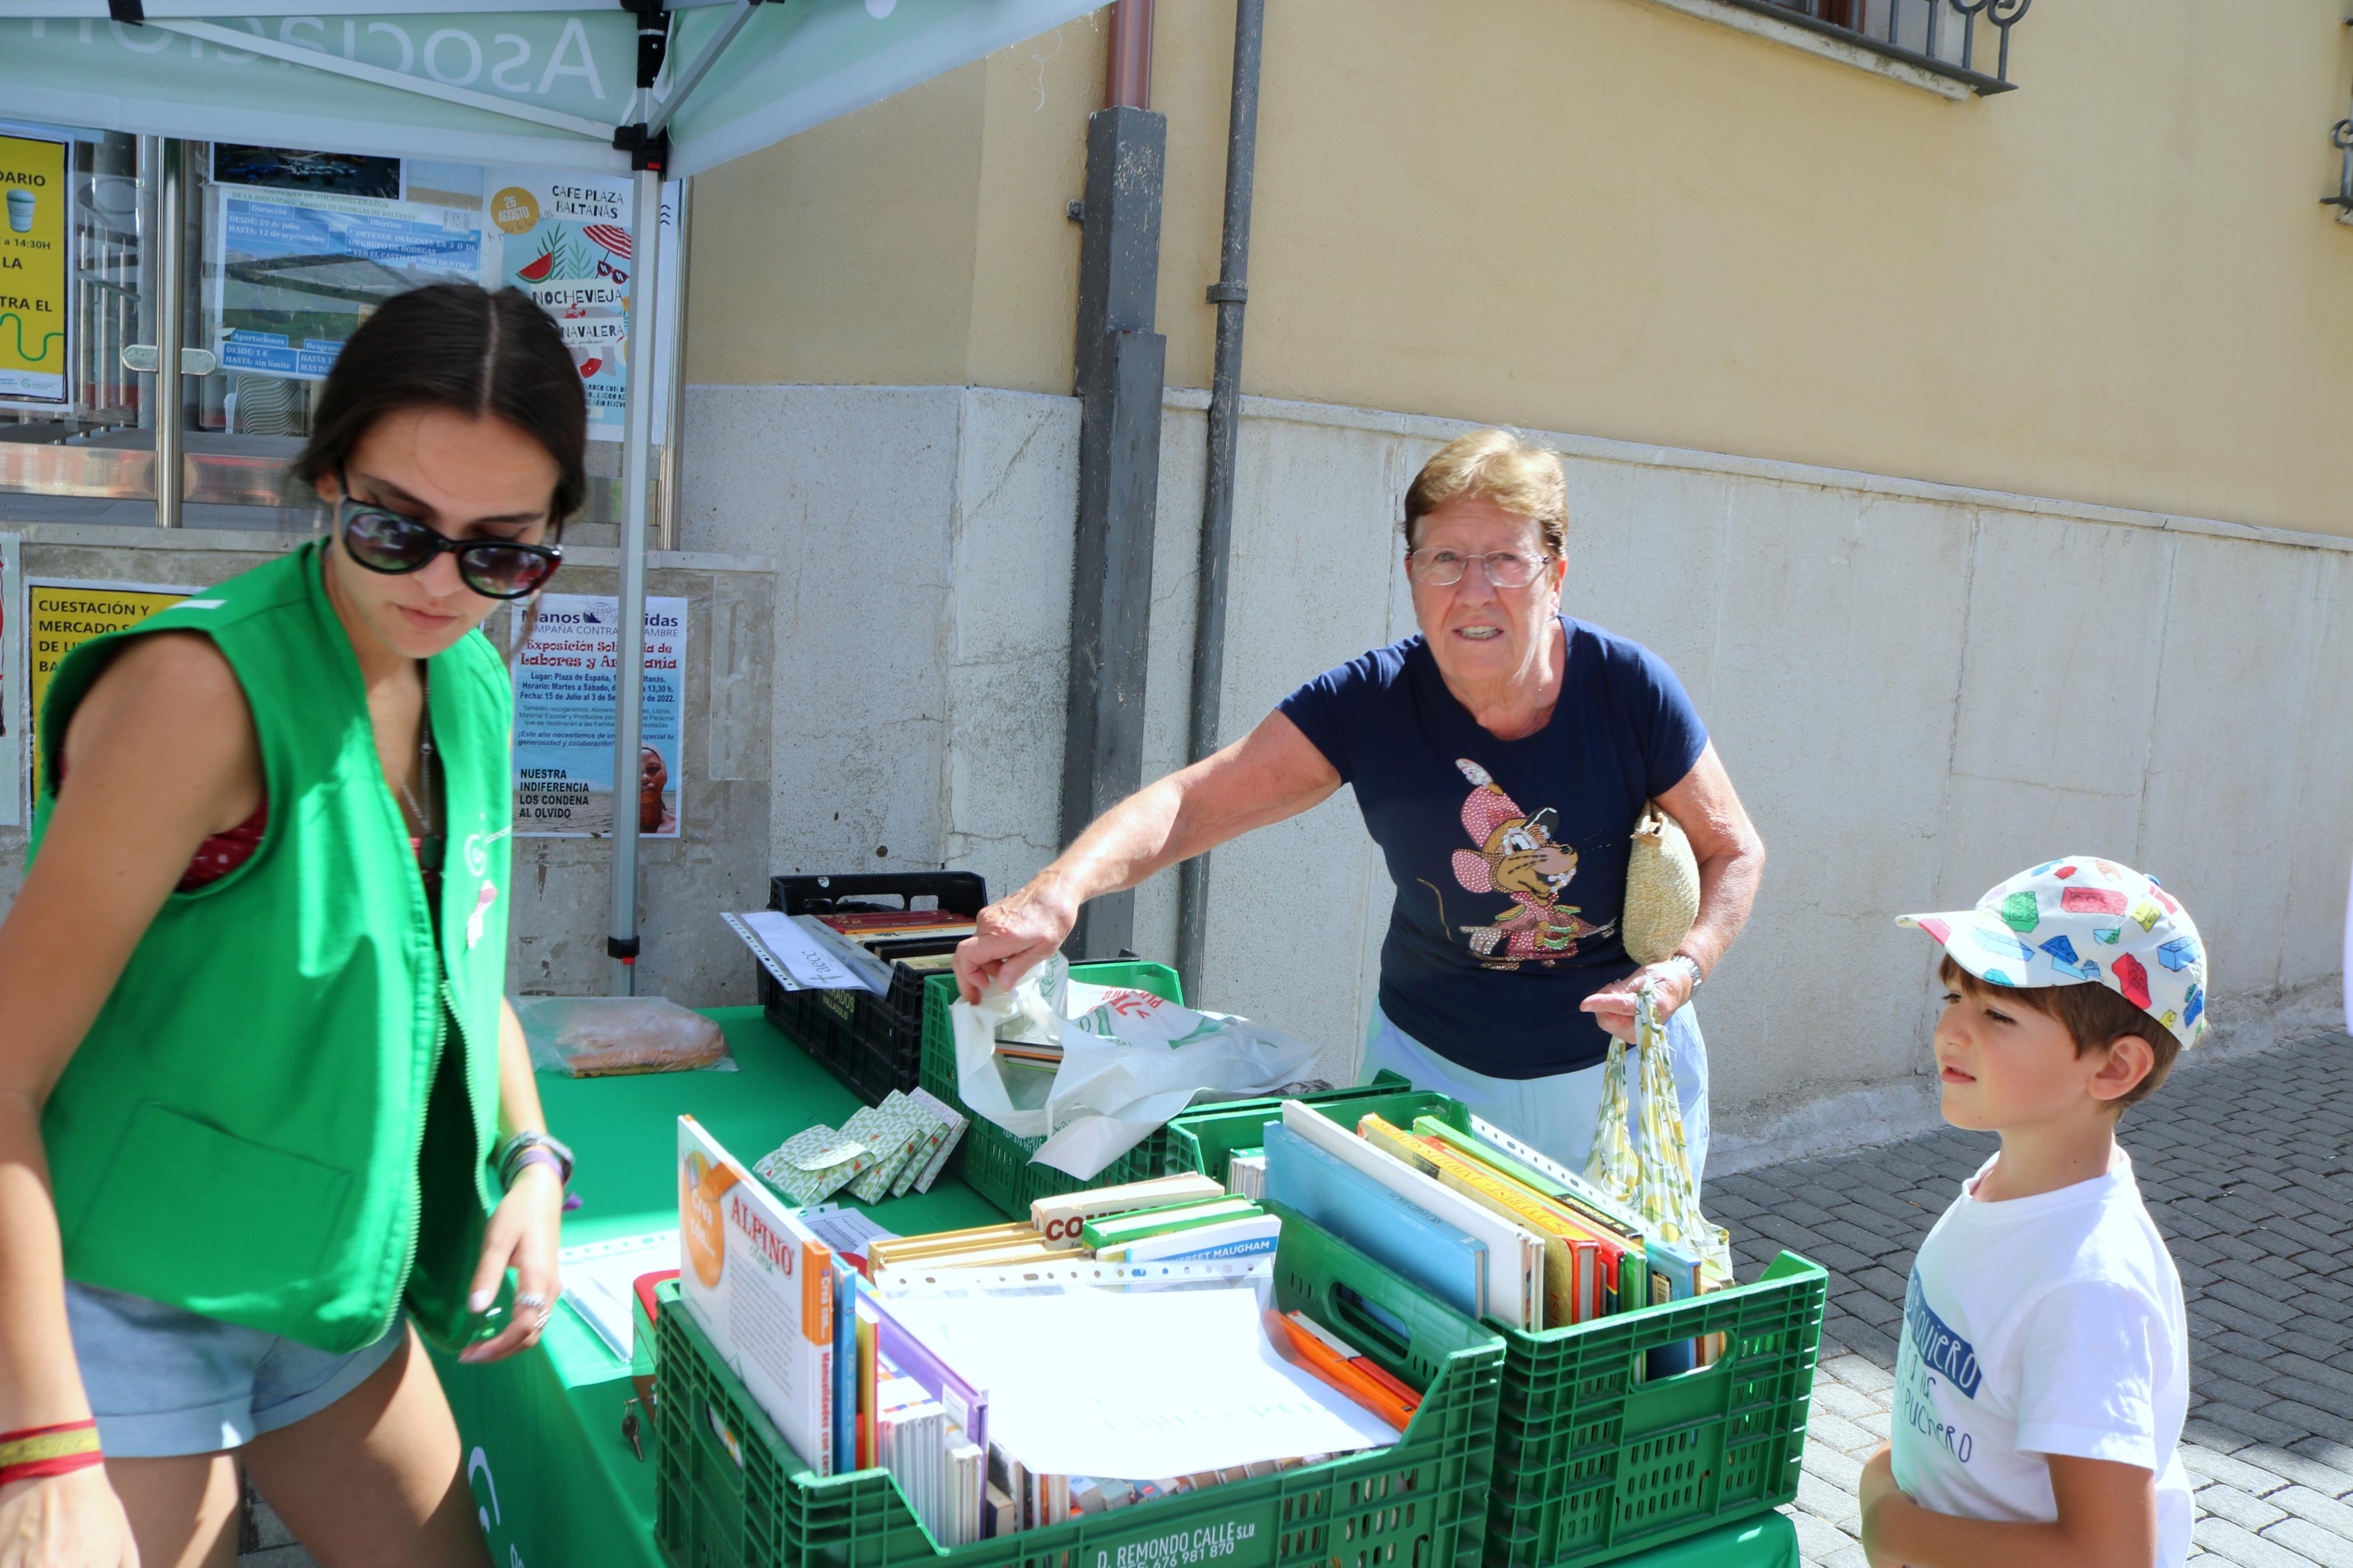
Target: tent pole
{"x": 630, "y": 638}
{"x": 171, "y": 327}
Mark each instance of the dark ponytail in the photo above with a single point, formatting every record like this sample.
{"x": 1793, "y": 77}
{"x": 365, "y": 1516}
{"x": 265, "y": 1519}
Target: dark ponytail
{"x": 459, "y": 347}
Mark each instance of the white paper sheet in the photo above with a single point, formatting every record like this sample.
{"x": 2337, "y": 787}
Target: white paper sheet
{"x": 1105, "y": 1382}
{"x": 844, "y": 1230}
{"x": 600, "y": 1280}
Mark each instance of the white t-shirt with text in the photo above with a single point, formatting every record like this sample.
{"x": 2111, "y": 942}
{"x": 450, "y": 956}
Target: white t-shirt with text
{"x": 2050, "y": 1324}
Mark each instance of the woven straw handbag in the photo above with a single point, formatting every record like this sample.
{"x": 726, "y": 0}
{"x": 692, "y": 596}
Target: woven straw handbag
{"x": 1662, "y": 889}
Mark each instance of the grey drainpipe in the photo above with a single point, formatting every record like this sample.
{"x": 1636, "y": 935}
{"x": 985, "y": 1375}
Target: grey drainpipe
{"x": 1121, "y": 358}
{"x": 1229, "y": 294}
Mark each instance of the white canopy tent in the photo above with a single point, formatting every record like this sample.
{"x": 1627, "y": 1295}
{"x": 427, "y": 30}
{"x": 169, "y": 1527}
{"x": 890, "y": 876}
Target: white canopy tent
{"x": 663, "y": 88}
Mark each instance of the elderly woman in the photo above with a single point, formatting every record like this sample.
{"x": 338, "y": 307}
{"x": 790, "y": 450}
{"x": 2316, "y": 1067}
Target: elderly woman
{"x": 1500, "y": 758}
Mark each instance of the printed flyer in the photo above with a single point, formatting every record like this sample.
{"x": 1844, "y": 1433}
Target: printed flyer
{"x": 12, "y": 679}
{"x": 295, "y": 272}
{"x": 566, "y": 242}
{"x": 566, "y": 694}
{"x": 36, "y": 302}
{"x": 60, "y": 616}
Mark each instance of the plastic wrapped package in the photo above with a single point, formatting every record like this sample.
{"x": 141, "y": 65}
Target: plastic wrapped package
{"x": 604, "y": 1037}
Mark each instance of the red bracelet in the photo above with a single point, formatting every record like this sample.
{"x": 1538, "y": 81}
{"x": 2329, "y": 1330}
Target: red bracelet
{"x": 37, "y": 1451}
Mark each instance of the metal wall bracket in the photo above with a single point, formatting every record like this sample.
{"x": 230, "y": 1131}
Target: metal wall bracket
{"x": 645, "y": 153}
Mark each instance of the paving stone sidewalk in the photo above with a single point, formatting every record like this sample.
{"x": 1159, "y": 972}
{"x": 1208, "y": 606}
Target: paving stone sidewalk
{"x": 2247, "y": 1165}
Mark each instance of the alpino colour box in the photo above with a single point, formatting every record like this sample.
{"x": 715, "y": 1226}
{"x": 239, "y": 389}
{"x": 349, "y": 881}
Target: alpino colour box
{"x": 760, "y": 1283}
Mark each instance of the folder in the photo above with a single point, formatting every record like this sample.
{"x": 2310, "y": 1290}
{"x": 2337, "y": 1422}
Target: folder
{"x": 967, "y": 1405}
{"x": 1344, "y": 1368}
{"x": 1515, "y": 1257}
{"x": 1377, "y": 1221}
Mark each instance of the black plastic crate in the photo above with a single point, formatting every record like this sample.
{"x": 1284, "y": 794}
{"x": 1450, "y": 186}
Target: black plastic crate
{"x": 873, "y": 1044}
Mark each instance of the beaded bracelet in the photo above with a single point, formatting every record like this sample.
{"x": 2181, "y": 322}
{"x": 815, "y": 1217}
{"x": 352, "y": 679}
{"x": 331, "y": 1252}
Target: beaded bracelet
{"x": 37, "y": 1451}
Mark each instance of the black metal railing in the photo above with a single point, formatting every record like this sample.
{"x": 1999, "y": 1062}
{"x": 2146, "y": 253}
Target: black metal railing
{"x": 1954, "y": 39}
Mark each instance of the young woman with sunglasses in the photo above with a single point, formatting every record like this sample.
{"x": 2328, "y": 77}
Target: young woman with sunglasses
{"x": 264, "y": 1112}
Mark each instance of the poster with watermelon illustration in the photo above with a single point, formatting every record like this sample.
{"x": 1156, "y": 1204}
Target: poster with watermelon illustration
{"x": 565, "y": 241}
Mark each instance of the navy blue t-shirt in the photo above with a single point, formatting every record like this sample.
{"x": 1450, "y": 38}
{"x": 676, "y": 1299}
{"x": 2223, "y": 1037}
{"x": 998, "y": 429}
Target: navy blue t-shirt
{"x": 1509, "y": 857}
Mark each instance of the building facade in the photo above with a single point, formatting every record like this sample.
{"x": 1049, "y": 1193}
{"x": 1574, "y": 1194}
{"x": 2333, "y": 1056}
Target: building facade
{"x": 1968, "y": 453}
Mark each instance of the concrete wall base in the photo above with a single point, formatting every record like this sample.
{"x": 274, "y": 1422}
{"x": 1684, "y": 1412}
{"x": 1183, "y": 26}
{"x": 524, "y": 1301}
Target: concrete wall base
{"x": 1918, "y": 689}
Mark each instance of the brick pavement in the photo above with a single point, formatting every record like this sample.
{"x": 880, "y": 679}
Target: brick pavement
{"x": 2247, "y": 1165}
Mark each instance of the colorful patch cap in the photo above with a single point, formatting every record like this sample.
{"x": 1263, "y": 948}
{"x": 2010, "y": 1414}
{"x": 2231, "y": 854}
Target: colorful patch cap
{"x": 2084, "y": 918}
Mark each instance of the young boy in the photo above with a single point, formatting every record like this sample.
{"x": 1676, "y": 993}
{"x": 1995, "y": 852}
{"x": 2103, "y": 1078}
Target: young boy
{"x": 2044, "y": 1369}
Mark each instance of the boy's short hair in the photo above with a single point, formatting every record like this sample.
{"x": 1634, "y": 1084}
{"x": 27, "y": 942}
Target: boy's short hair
{"x": 2094, "y": 1016}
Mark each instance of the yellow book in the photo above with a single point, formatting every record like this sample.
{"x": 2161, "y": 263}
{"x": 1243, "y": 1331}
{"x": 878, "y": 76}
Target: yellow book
{"x": 865, "y": 1455}
{"x": 899, "y": 1249}
{"x": 1571, "y": 1294}
{"x": 1003, "y": 1255}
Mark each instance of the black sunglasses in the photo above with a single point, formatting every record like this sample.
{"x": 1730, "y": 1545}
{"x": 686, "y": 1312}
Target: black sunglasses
{"x": 385, "y": 541}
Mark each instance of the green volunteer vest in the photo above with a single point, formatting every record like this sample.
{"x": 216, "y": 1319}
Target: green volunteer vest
{"x": 257, "y": 1127}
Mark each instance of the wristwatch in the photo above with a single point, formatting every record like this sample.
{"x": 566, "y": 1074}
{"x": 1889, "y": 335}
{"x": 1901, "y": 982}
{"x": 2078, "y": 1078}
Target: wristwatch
{"x": 513, "y": 1152}
{"x": 1690, "y": 966}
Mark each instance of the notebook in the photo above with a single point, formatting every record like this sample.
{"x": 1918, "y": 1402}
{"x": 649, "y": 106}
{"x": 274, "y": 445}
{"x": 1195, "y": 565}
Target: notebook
{"x": 1377, "y": 1221}
{"x": 1515, "y": 1257}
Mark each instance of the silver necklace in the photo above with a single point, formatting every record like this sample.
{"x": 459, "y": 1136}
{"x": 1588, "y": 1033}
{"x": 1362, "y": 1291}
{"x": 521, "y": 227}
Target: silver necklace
{"x": 424, "y": 753}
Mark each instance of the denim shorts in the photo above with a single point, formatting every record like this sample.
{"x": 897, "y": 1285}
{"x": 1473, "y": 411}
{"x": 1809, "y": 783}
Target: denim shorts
{"x": 1555, "y": 1115}
{"x": 164, "y": 1382}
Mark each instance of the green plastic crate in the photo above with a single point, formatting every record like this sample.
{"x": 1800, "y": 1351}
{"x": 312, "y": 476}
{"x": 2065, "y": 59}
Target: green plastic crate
{"x": 1418, "y": 1504}
{"x": 1593, "y": 1460}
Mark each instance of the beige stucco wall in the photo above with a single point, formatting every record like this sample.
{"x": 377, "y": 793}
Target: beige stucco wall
{"x": 2113, "y": 285}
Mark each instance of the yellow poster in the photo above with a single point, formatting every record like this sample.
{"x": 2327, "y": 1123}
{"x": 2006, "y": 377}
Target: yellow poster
{"x": 61, "y": 616}
{"x": 35, "y": 303}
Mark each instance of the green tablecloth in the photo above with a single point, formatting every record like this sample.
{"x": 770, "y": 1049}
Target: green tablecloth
{"x": 556, "y": 1483}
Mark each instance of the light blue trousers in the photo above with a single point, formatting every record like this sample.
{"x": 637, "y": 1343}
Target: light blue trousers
{"x": 1554, "y": 1115}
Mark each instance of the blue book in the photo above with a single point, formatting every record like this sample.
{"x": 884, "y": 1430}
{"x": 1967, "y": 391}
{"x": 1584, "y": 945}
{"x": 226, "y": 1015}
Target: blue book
{"x": 846, "y": 1283}
{"x": 1675, "y": 1276}
{"x": 1385, "y": 1226}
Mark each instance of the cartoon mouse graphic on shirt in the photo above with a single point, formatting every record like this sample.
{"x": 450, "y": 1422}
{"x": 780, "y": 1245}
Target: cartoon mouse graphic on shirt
{"x": 1516, "y": 857}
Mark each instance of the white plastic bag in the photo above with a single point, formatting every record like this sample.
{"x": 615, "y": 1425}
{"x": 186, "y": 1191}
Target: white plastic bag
{"x": 1130, "y": 1061}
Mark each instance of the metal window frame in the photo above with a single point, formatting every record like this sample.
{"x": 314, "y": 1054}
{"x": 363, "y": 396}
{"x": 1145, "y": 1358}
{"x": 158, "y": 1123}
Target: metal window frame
{"x": 1976, "y": 82}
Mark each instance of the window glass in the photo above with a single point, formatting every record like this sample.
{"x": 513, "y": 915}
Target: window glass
{"x": 69, "y": 412}
{"x": 288, "y": 250}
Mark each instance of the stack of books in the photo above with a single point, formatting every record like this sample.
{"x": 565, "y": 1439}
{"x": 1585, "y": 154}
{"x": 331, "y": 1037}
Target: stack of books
{"x": 1496, "y": 1233}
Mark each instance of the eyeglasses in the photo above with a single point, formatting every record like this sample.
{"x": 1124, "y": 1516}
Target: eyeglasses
{"x": 1444, "y": 568}
{"x": 385, "y": 541}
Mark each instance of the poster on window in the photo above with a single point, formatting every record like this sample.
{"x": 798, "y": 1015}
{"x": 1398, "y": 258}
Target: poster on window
{"x": 564, "y": 240}
{"x": 60, "y": 616}
{"x": 36, "y": 300}
{"x": 295, "y": 272}
{"x": 566, "y": 693}
{"x": 12, "y": 679}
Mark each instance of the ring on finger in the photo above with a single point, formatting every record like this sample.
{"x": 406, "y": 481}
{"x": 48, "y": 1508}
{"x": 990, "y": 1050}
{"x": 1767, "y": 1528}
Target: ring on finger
{"x": 532, "y": 1298}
